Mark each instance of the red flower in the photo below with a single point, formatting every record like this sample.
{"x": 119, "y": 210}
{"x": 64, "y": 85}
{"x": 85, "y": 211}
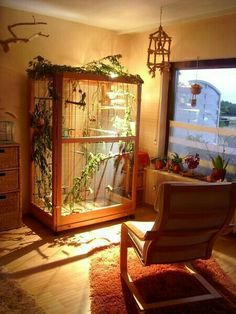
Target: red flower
{"x": 192, "y": 161}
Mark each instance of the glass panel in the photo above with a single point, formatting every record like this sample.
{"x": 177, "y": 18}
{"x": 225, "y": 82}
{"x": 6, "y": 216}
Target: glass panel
{"x": 199, "y": 118}
{"x": 98, "y": 109}
{"x": 216, "y": 103}
{"x": 186, "y": 141}
{"x": 41, "y": 123}
{"x": 96, "y": 175}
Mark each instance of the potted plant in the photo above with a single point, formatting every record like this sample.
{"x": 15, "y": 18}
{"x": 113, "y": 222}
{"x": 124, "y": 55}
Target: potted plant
{"x": 219, "y": 167}
{"x": 159, "y": 162}
{"x": 196, "y": 89}
{"x": 192, "y": 161}
{"x": 175, "y": 163}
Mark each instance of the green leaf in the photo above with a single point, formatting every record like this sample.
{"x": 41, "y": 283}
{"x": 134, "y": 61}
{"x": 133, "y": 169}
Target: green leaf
{"x": 218, "y": 162}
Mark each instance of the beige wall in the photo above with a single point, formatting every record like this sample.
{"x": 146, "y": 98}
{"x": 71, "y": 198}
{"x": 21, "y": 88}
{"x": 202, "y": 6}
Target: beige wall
{"x": 74, "y": 44}
{"x": 69, "y": 43}
{"x": 209, "y": 39}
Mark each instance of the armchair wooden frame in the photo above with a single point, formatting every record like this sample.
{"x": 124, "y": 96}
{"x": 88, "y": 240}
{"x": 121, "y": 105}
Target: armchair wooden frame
{"x": 185, "y": 230}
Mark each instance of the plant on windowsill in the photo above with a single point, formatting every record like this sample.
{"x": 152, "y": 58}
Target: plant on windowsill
{"x": 219, "y": 167}
{"x": 175, "y": 163}
{"x": 192, "y": 162}
{"x": 159, "y": 162}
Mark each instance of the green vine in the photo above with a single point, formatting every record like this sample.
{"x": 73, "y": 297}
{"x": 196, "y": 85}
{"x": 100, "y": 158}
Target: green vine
{"x": 82, "y": 183}
{"x": 42, "y": 137}
{"x": 42, "y": 150}
{"x": 40, "y": 67}
{"x": 126, "y": 147}
{"x": 129, "y": 146}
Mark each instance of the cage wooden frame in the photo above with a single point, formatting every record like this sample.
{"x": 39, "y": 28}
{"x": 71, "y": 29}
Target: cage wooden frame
{"x": 55, "y": 220}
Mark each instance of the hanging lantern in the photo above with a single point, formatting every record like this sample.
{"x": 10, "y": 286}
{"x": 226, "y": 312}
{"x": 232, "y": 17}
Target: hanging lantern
{"x": 158, "y": 50}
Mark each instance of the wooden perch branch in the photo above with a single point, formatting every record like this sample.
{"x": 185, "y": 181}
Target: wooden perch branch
{"x": 15, "y": 39}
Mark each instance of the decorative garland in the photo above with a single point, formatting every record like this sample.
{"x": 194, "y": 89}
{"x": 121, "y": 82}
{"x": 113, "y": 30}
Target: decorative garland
{"x": 40, "y": 67}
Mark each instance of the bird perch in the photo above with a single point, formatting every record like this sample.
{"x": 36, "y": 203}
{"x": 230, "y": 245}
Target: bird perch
{"x": 15, "y": 39}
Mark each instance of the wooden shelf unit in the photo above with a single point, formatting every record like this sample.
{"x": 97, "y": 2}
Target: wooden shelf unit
{"x": 10, "y": 205}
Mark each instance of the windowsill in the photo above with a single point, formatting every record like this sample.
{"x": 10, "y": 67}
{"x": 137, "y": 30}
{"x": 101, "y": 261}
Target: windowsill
{"x": 194, "y": 175}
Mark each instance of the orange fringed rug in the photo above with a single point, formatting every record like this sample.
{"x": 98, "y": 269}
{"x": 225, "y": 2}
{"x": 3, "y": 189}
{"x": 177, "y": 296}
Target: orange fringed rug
{"x": 109, "y": 295}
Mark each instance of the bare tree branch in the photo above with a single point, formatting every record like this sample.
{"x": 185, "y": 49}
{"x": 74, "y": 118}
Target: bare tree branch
{"x": 14, "y": 39}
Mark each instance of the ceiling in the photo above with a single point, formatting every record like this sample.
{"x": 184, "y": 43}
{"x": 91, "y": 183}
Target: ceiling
{"x": 125, "y": 16}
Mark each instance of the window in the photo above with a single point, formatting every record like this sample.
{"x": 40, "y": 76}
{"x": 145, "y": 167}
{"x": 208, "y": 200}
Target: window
{"x": 206, "y": 125}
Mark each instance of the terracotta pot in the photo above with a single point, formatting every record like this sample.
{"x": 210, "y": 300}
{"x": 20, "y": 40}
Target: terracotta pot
{"x": 218, "y": 174}
{"x": 169, "y": 165}
{"x": 190, "y": 172}
{"x": 159, "y": 164}
{"x": 196, "y": 89}
{"x": 176, "y": 168}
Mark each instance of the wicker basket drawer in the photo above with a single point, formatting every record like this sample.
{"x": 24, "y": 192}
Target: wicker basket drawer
{"x": 9, "y": 202}
{"x": 10, "y": 215}
{"x": 9, "y": 157}
{"x": 9, "y": 180}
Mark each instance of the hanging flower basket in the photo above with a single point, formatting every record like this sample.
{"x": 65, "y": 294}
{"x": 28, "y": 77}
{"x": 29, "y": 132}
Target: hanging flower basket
{"x": 196, "y": 89}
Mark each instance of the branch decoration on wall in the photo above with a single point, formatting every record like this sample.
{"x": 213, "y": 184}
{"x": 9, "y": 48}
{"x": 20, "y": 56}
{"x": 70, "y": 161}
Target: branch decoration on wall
{"x": 158, "y": 50}
{"x": 15, "y": 39}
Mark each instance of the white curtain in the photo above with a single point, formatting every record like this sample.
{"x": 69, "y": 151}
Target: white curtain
{"x": 160, "y": 135}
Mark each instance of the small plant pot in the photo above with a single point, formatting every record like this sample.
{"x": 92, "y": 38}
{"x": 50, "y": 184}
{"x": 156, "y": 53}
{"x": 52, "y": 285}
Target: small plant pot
{"x": 176, "y": 168}
{"x": 218, "y": 174}
{"x": 196, "y": 89}
{"x": 159, "y": 164}
{"x": 190, "y": 172}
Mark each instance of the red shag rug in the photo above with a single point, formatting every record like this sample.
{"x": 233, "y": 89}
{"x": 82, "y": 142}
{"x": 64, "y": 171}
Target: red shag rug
{"x": 109, "y": 295}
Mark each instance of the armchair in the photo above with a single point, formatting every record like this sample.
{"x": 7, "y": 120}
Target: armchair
{"x": 190, "y": 217}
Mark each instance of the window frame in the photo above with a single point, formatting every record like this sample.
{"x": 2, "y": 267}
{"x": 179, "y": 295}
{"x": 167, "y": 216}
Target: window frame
{"x": 189, "y": 65}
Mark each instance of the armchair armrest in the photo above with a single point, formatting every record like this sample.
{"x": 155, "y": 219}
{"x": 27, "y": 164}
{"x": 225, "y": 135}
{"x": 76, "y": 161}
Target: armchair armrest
{"x": 134, "y": 229}
{"x": 142, "y": 230}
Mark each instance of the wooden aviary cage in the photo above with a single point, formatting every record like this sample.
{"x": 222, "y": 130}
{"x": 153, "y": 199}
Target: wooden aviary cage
{"x": 84, "y": 139}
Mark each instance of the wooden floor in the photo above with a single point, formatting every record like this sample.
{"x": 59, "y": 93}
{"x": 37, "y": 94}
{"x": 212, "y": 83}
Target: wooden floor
{"x": 54, "y": 269}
